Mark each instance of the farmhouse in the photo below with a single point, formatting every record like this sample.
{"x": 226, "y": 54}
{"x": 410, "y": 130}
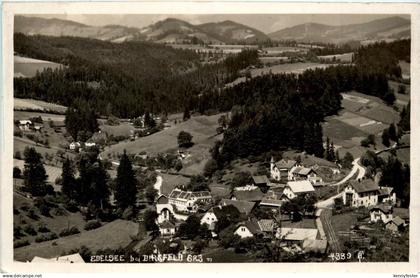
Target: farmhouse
{"x": 25, "y": 125}
{"x": 188, "y": 201}
{"x": 281, "y": 169}
{"x": 366, "y": 193}
{"x": 303, "y": 173}
{"x": 273, "y": 198}
{"x": 247, "y": 229}
{"x": 249, "y": 193}
{"x": 261, "y": 182}
{"x": 295, "y": 188}
{"x": 244, "y": 207}
{"x": 213, "y": 215}
{"x": 381, "y": 212}
{"x": 167, "y": 228}
{"x": 74, "y": 145}
{"x": 396, "y": 224}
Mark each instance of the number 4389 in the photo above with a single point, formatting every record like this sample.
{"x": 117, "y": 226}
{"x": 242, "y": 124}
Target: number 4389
{"x": 340, "y": 256}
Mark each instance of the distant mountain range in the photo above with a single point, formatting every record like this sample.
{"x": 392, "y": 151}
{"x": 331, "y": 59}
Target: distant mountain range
{"x": 173, "y": 30}
{"x": 387, "y": 28}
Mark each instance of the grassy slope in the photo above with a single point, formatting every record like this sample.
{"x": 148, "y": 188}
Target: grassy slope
{"x": 112, "y": 235}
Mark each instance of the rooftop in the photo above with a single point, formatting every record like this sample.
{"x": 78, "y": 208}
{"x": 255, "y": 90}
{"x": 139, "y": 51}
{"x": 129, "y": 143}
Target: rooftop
{"x": 366, "y": 185}
{"x": 260, "y": 179}
{"x": 301, "y": 186}
{"x": 285, "y": 164}
{"x": 244, "y": 207}
{"x": 298, "y": 234}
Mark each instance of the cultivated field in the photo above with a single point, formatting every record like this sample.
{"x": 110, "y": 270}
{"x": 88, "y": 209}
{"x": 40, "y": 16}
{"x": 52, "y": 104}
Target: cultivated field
{"x": 31, "y": 104}
{"x": 24, "y": 115}
{"x": 345, "y": 57}
{"x": 296, "y": 68}
{"x": 361, "y": 115}
{"x": 28, "y": 67}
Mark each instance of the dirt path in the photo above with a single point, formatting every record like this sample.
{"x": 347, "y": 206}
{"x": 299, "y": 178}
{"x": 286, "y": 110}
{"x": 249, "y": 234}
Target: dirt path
{"x": 333, "y": 242}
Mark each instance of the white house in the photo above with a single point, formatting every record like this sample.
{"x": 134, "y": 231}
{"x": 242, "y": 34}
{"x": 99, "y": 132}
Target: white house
{"x": 381, "y": 212}
{"x": 166, "y": 210}
{"x": 90, "y": 144}
{"x": 213, "y": 215}
{"x": 25, "y": 125}
{"x": 189, "y": 201}
{"x": 248, "y": 229}
{"x": 281, "y": 169}
{"x": 167, "y": 228}
{"x": 366, "y": 193}
{"x": 303, "y": 173}
{"x": 295, "y": 188}
{"x": 74, "y": 145}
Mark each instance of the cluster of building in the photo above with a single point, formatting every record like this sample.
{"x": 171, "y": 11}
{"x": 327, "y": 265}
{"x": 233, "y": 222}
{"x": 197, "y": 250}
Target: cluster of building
{"x": 78, "y": 146}
{"x": 28, "y": 125}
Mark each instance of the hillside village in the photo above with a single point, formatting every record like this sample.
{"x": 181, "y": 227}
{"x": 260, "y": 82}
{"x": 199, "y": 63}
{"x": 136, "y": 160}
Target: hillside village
{"x": 263, "y": 169}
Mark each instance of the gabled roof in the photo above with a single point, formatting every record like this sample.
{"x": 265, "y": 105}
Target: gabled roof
{"x": 186, "y": 195}
{"x": 244, "y": 207}
{"x": 266, "y": 225}
{"x": 248, "y": 195}
{"x": 385, "y": 191}
{"x": 303, "y": 171}
{"x": 402, "y": 212}
{"x": 300, "y": 186}
{"x": 366, "y": 185}
{"x": 382, "y": 207}
{"x": 162, "y": 199}
{"x": 397, "y": 221}
{"x": 252, "y": 226}
{"x": 285, "y": 164}
{"x": 297, "y": 233}
{"x": 260, "y": 179}
{"x": 25, "y": 122}
{"x": 227, "y": 210}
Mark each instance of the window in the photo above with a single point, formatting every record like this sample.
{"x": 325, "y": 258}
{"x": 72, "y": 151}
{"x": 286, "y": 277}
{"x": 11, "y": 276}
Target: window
{"x": 243, "y": 229}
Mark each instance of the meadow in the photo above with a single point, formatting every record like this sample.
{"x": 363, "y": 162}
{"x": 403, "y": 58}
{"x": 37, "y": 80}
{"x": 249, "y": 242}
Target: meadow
{"x": 28, "y": 67}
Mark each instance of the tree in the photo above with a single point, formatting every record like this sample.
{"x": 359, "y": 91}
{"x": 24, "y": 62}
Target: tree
{"x": 389, "y": 98}
{"x": 149, "y": 121}
{"x": 186, "y": 115}
{"x": 126, "y": 183}
{"x": 190, "y": 228}
{"x": 81, "y": 118}
{"x": 184, "y": 139}
{"x": 197, "y": 183}
{"x": 17, "y": 173}
{"x": 34, "y": 174}
{"x": 401, "y": 89}
{"x": 241, "y": 179}
{"x": 210, "y": 168}
{"x": 392, "y": 132}
{"x": 150, "y": 217}
{"x": 150, "y": 194}
{"x": 385, "y": 138}
{"x": 69, "y": 184}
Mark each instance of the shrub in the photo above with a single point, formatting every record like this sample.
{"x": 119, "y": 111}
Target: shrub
{"x": 32, "y": 214}
{"x": 18, "y": 155}
{"x": 72, "y": 206}
{"x": 15, "y": 210}
{"x": 17, "y": 173}
{"x": 67, "y": 232}
{"x": 43, "y": 229}
{"x": 92, "y": 224}
{"x": 17, "y": 232}
{"x": 29, "y": 229}
{"x": 20, "y": 243}
{"x": 59, "y": 211}
{"x": 17, "y": 133}
{"x": 46, "y": 237}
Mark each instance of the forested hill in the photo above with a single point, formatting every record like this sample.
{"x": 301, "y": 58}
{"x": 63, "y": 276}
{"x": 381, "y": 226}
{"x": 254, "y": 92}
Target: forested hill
{"x": 133, "y": 77}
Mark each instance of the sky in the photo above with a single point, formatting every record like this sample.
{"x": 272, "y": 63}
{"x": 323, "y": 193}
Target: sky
{"x": 265, "y": 23}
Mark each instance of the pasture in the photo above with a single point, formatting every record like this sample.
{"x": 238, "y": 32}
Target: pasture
{"x": 169, "y": 182}
{"x": 28, "y": 67}
{"x": 114, "y": 235}
{"x": 24, "y": 115}
{"x": 296, "y": 68}
{"x": 361, "y": 115}
{"x": 203, "y": 130}
{"x": 32, "y": 104}
{"x": 345, "y": 57}
{"x": 52, "y": 172}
